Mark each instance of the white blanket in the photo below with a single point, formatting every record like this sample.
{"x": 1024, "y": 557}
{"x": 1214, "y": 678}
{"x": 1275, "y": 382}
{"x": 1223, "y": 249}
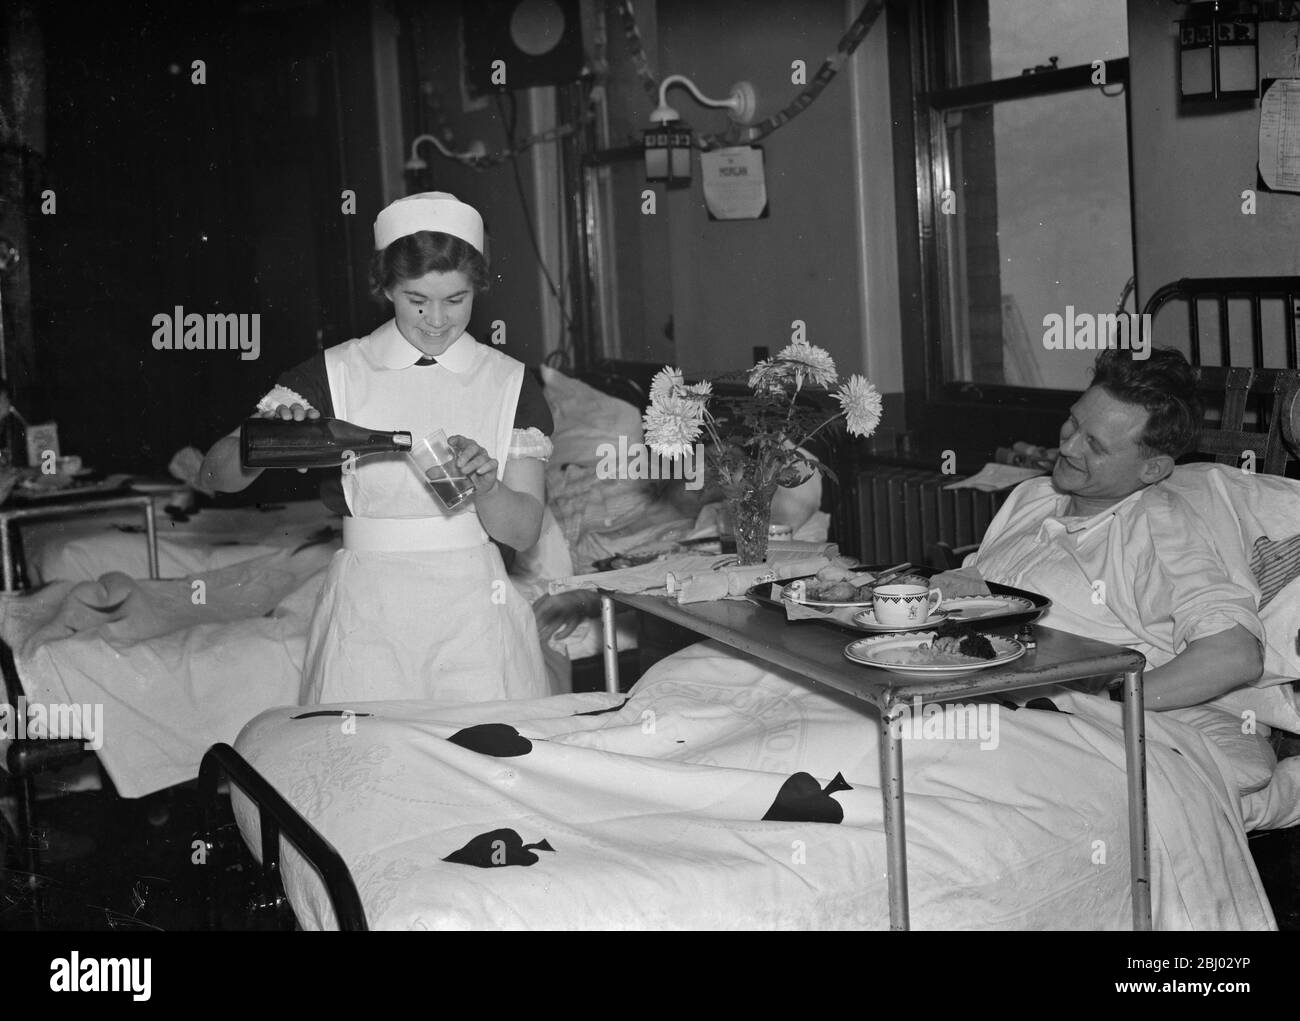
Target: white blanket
{"x": 176, "y": 665}
{"x": 652, "y": 815}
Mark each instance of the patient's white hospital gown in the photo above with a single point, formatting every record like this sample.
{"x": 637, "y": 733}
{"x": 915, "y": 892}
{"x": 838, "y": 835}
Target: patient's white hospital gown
{"x": 1144, "y": 574}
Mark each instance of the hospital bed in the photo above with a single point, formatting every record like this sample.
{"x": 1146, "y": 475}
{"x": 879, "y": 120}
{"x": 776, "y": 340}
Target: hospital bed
{"x": 992, "y": 843}
{"x": 176, "y": 677}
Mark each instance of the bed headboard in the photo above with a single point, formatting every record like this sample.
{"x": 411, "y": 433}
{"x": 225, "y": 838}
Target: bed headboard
{"x": 1239, "y": 321}
{"x": 1241, "y": 333}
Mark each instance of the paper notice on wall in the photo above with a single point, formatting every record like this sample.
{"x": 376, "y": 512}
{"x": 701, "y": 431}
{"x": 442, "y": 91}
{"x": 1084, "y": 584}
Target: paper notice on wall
{"x": 734, "y": 184}
{"x": 1279, "y": 135}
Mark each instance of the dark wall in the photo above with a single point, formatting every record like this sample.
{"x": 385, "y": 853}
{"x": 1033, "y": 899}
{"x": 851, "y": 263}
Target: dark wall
{"x": 220, "y": 197}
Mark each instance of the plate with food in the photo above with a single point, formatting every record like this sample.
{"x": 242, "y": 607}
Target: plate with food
{"x": 934, "y": 657}
{"x": 974, "y": 607}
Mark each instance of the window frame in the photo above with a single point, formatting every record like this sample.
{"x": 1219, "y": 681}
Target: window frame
{"x": 991, "y": 414}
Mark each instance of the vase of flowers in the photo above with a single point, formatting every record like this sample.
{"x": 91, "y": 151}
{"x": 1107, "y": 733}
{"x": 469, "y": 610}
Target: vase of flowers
{"x": 755, "y": 440}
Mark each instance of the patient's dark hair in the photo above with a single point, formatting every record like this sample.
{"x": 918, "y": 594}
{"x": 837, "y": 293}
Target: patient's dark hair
{"x": 426, "y": 251}
{"x": 1164, "y": 384}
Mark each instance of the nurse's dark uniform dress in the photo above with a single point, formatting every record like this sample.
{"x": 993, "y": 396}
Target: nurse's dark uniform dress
{"x": 417, "y": 604}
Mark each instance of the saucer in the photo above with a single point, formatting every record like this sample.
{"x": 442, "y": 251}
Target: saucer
{"x": 867, "y": 621}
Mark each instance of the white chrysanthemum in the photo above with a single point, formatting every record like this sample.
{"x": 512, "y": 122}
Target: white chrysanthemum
{"x": 673, "y": 424}
{"x": 862, "y": 405}
{"x": 666, "y": 383}
{"x": 770, "y": 376}
{"x": 702, "y": 389}
{"x": 811, "y": 364}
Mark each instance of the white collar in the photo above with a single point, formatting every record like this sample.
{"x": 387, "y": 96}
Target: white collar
{"x": 396, "y": 352}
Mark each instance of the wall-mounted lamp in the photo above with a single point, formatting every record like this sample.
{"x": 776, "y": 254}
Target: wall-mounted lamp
{"x": 477, "y": 150}
{"x": 1218, "y": 52}
{"x": 668, "y": 144}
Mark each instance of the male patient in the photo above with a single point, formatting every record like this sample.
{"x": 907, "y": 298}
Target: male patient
{"x": 1123, "y": 558}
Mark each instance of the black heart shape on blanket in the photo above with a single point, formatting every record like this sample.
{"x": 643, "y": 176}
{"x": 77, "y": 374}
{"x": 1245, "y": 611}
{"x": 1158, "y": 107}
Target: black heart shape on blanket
{"x": 602, "y": 712}
{"x": 499, "y": 739}
{"x": 801, "y": 799}
{"x": 328, "y": 712}
{"x": 497, "y": 849}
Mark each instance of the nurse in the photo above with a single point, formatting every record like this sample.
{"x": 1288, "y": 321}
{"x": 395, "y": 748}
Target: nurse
{"x": 417, "y": 604}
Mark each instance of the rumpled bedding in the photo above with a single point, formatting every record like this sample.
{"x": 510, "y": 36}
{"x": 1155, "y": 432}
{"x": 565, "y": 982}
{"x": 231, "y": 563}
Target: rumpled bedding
{"x": 725, "y": 795}
{"x": 177, "y": 665}
{"x": 87, "y": 547}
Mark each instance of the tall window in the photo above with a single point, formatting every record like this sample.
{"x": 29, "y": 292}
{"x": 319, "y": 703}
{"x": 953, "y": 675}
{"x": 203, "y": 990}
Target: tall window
{"x": 1023, "y": 132}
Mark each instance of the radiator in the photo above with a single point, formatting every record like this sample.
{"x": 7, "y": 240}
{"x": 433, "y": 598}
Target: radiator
{"x": 901, "y": 511}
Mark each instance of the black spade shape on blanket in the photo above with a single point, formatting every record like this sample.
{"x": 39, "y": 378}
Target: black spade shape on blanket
{"x": 328, "y": 712}
{"x": 499, "y": 739}
{"x": 602, "y": 712}
{"x": 801, "y": 799}
{"x": 498, "y": 849}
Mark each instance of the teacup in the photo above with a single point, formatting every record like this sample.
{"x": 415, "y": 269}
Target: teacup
{"x": 904, "y": 605}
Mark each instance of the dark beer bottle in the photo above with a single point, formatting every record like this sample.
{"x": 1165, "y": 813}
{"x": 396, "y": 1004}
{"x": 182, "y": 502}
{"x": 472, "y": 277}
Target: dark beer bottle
{"x": 313, "y": 443}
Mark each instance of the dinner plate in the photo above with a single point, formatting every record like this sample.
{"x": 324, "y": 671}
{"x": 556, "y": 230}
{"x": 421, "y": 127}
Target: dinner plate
{"x": 868, "y": 651}
{"x": 964, "y": 608}
{"x": 867, "y": 621}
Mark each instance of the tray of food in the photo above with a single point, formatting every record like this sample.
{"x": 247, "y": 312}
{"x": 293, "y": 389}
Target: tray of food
{"x": 844, "y": 593}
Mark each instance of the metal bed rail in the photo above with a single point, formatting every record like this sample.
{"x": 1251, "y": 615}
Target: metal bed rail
{"x": 277, "y": 817}
{"x": 1222, "y": 290}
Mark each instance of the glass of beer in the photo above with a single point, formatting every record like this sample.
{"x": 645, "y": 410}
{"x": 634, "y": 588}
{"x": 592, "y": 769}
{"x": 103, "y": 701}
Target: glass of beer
{"x": 436, "y": 461}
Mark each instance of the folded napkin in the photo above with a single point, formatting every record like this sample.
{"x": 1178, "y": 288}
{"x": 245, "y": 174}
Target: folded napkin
{"x": 801, "y": 611}
{"x": 694, "y": 577}
{"x": 994, "y": 477}
{"x": 965, "y": 581}
{"x": 735, "y": 581}
{"x": 652, "y": 577}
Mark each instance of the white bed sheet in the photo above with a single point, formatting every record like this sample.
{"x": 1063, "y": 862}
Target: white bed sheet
{"x": 653, "y": 813}
{"x": 91, "y": 545}
{"x": 173, "y": 674}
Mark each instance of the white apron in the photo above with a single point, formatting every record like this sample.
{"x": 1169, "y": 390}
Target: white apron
{"x": 417, "y": 604}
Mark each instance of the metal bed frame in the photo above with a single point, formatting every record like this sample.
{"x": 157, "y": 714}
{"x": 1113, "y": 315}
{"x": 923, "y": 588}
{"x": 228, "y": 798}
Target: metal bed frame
{"x": 1222, "y": 290}
{"x": 275, "y": 817}
{"x": 28, "y": 757}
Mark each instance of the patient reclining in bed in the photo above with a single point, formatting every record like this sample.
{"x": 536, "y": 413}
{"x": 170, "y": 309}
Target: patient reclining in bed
{"x": 1188, "y": 565}
{"x": 1124, "y": 555}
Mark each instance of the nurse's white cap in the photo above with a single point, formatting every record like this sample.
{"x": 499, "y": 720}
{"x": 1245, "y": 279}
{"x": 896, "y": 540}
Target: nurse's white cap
{"x": 430, "y": 210}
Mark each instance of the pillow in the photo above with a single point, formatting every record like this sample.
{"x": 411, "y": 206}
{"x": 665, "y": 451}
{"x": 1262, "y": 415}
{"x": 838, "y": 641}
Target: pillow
{"x": 1252, "y": 519}
{"x": 1274, "y": 705}
{"x": 585, "y": 420}
{"x": 1275, "y": 564}
{"x": 1251, "y": 755}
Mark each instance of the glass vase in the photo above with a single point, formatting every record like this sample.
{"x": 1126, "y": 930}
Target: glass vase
{"x": 751, "y": 515}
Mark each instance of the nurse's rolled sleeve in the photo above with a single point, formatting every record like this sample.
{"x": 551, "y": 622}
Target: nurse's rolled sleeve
{"x": 311, "y": 380}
